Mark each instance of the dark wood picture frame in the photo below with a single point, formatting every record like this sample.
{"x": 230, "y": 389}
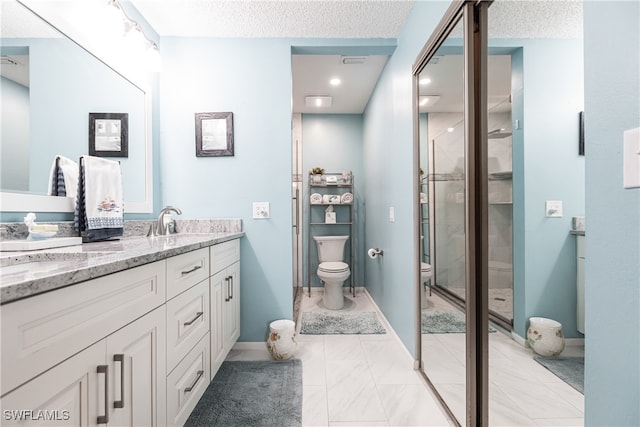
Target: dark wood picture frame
{"x": 214, "y": 134}
{"x": 108, "y": 134}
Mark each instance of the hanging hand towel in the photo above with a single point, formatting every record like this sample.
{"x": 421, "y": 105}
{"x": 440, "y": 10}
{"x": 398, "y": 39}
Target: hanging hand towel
{"x": 99, "y": 212}
{"x": 63, "y": 178}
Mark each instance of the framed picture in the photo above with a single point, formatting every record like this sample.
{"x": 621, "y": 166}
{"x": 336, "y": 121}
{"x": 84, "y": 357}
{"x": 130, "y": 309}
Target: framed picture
{"x": 214, "y": 134}
{"x": 108, "y": 134}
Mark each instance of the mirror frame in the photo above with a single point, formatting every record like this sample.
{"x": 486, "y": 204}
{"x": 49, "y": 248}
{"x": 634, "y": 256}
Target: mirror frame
{"x": 23, "y": 202}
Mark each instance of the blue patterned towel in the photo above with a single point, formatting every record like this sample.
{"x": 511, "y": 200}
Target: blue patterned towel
{"x": 63, "y": 178}
{"x": 99, "y": 212}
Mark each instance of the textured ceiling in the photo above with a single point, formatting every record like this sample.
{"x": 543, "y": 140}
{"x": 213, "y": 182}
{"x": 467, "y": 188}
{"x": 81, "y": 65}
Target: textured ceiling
{"x": 288, "y": 19}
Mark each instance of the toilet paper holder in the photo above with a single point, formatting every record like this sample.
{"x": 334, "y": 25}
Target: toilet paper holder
{"x": 374, "y": 252}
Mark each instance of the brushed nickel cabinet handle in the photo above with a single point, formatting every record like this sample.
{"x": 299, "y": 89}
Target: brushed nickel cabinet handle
{"x": 198, "y": 315}
{"x": 119, "y": 358}
{"x": 104, "y": 419}
{"x": 188, "y": 389}
{"x": 227, "y": 298}
{"x": 231, "y": 287}
{"x": 197, "y": 267}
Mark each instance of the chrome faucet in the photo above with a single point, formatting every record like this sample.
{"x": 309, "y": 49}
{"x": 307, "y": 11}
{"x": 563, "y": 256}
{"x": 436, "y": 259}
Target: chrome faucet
{"x": 160, "y": 228}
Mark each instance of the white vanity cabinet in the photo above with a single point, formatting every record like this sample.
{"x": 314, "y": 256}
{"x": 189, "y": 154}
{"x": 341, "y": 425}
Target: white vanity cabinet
{"x": 132, "y": 348}
{"x": 224, "y": 300}
{"x": 88, "y": 354}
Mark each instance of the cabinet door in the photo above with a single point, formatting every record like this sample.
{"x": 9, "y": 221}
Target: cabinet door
{"x": 232, "y": 308}
{"x": 218, "y": 295}
{"x": 136, "y": 354}
{"x": 70, "y": 394}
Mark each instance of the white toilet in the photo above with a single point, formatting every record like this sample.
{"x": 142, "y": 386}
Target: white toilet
{"x": 332, "y": 271}
{"x": 425, "y": 274}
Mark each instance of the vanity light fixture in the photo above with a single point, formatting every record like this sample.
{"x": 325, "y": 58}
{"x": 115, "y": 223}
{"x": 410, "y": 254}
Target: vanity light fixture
{"x": 133, "y": 32}
{"x": 318, "y": 101}
{"x": 428, "y": 100}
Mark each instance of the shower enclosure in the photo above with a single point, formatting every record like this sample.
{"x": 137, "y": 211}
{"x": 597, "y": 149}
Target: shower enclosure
{"x": 448, "y": 186}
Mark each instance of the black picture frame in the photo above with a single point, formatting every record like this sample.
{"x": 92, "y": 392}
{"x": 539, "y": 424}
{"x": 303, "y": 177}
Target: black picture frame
{"x": 214, "y": 134}
{"x": 108, "y": 134}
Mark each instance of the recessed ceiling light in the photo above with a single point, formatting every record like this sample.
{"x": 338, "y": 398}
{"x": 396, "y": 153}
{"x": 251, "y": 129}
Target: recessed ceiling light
{"x": 425, "y": 81}
{"x": 318, "y": 101}
{"x": 450, "y": 130}
{"x": 428, "y": 100}
{"x": 335, "y": 81}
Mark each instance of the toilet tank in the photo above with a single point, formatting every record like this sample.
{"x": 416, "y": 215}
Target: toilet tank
{"x": 330, "y": 248}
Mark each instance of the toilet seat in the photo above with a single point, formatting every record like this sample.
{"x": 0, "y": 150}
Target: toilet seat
{"x": 333, "y": 267}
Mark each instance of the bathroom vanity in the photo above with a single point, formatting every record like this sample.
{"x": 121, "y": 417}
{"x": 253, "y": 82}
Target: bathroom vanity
{"x": 128, "y": 332}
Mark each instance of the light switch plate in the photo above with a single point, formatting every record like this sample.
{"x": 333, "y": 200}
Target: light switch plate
{"x": 392, "y": 214}
{"x": 553, "y": 208}
{"x": 631, "y": 158}
{"x": 261, "y": 210}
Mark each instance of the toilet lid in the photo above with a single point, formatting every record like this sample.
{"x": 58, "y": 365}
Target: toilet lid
{"x": 425, "y": 267}
{"x": 333, "y": 267}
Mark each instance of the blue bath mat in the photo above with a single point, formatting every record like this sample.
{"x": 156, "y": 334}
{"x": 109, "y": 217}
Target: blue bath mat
{"x": 340, "y": 323}
{"x": 445, "y": 322}
{"x": 568, "y": 369}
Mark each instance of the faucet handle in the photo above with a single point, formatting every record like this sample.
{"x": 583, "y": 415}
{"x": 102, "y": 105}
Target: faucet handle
{"x": 152, "y": 231}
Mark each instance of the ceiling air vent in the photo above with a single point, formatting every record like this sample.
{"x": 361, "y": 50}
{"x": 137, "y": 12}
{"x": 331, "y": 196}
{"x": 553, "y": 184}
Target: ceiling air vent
{"x": 353, "y": 60}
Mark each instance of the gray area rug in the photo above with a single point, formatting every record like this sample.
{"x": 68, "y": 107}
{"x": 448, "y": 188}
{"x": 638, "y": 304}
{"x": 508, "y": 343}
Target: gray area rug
{"x": 445, "y": 322}
{"x": 340, "y": 323}
{"x": 261, "y": 393}
{"x": 568, "y": 369}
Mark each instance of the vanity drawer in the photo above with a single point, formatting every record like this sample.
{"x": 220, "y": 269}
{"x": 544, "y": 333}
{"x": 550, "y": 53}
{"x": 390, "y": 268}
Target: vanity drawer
{"x": 224, "y": 254}
{"x": 187, "y": 383}
{"x": 42, "y": 331}
{"x": 185, "y": 270}
{"x": 187, "y": 322}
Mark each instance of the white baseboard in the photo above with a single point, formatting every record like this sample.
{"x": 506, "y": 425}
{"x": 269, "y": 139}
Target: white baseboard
{"x": 246, "y": 345}
{"x": 572, "y": 342}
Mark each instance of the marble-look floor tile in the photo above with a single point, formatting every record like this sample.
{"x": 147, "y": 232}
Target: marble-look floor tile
{"x": 313, "y": 363}
{"x": 314, "y": 406}
{"x": 235, "y": 355}
{"x": 393, "y": 372}
{"x": 537, "y": 400}
{"x": 504, "y": 412}
{"x": 569, "y": 394}
{"x": 358, "y": 424}
{"x": 343, "y": 347}
{"x": 411, "y": 405}
{"x": 559, "y": 422}
{"x": 384, "y": 350}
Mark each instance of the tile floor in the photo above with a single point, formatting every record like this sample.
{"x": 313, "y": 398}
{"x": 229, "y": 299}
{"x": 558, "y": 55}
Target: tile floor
{"x": 368, "y": 380}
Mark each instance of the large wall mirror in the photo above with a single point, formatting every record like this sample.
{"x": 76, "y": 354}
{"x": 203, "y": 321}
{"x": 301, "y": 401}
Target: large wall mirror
{"x": 50, "y": 84}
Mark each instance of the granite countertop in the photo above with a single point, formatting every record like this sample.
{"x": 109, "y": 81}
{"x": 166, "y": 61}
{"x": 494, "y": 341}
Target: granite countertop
{"x": 56, "y": 268}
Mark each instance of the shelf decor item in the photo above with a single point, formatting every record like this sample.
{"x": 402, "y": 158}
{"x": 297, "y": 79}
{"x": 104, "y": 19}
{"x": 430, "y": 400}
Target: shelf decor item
{"x": 316, "y": 174}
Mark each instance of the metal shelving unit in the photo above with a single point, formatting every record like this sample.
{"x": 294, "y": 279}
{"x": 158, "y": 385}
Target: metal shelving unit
{"x": 345, "y": 218}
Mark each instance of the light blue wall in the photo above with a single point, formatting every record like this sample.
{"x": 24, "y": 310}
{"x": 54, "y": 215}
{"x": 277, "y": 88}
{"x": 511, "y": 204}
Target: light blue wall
{"x": 388, "y": 157}
{"x": 15, "y": 135}
{"x": 612, "y": 105}
{"x": 334, "y": 143}
{"x": 547, "y": 89}
{"x": 252, "y": 79}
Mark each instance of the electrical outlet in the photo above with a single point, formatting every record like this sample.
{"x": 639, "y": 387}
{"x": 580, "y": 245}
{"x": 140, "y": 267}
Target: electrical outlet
{"x": 553, "y": 208}
{"x": 261, "y": 210}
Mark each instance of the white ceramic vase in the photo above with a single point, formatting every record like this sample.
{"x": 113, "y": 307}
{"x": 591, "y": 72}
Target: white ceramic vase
{"x": 545, "y": 336}
{"x": 281, "y": 342}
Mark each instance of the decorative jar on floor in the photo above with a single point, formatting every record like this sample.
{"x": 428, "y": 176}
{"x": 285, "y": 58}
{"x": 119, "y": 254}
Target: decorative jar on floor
{"x": 545, "y": 336}
{"x": 281, "y": 342}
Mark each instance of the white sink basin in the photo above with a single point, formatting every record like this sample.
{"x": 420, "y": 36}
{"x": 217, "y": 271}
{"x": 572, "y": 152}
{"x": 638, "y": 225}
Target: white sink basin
{"x": 33, "y": 245}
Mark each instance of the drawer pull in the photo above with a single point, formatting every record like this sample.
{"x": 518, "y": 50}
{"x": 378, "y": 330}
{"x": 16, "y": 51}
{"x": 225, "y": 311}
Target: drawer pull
{"x": 227, "y": 298}
{"x": 188, "y": 389}
{"x": 231, "y": 287}
{"x": 199, "y": 314}
{"x": 119, "y": 358}
{"x": 197, "y": 267}
{"x": 104, "y": 369}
